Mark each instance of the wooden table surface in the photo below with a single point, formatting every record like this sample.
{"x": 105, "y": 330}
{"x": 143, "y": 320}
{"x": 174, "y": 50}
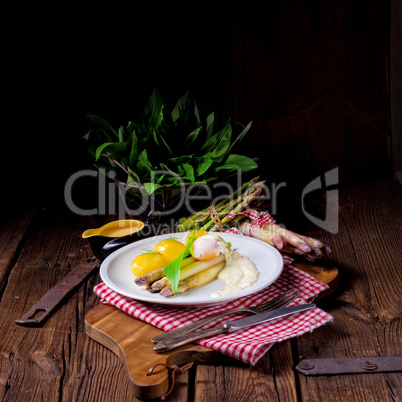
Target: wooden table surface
{"x": 58, "y": 361}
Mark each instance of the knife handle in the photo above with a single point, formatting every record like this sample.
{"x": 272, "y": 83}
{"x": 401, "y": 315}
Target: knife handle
{"x": 191, "y": 337}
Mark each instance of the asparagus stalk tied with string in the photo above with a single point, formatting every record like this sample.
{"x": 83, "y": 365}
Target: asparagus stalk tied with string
{"x": 214, "y": 218}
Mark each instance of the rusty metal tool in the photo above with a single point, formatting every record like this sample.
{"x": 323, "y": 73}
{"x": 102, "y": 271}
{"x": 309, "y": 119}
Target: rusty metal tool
{"x": 361, "y": 365}
{"x": 51, "y": 299}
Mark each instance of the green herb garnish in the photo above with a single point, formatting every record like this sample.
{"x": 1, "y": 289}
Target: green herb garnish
{"x": 172, "y": 270}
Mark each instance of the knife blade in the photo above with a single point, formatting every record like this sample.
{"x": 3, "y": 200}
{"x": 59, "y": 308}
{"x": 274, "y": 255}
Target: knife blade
{"x": 231, "y": 326}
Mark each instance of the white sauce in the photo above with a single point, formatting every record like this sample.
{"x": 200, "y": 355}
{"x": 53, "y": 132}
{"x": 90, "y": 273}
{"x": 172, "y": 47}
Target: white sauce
{"x": 239, "y": 272}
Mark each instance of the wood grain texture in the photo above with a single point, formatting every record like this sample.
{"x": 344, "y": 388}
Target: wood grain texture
{"x": 56, "y": 365}
{"x": 395, "y": 82}
{"x": 367, "y": 308}
{"x": 56, "y": 361}
{"x": 59, "y": 361}
{"x": 14, "y": 228}
{"x": 53, "y": 247}
{"x": 129, "y": 338}
{"x": 272, "y": 378}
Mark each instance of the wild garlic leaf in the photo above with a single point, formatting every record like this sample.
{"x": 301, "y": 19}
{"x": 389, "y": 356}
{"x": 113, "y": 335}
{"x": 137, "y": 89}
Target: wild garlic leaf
{"x": 210, "y": 125}
{"x": 151, "y": 187}
{"x": 189, "y": 172}
{"x": 99, "y": 121}
{"x": 211, "y": 144}
{"x": 121, "y": 134}
{"x": 197, "y": 114}
{"x": 180, "y": 159}
{"x": 144, "y": 166}
{"x": 173, "y": 181}
{"x": 101, "y": 148}
{"x": 167, "y": 169}
{"x": 235, "y": 162}
{"x": 192, "y": 137}
{"x": 240, "y": 137}
{"x": 134, "y": 150}
{"x": 153, "y": 113}
{"x": 166, "y": 146}
{"x": 220, "y": 151}
{"x": 95, "y": 138}
{"x": 172, "y": 270}
{"x": 182, "y": 137}
{"x": 179, "y": 107}
{"x": 116, "y": 150}
{"x": 138, "y": 128}
{"x": 202, "y": 165}
{"x": 133, "y": 179}
{"x": 160, "y": 178}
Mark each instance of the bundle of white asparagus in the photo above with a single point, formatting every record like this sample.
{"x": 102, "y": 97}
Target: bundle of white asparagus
{"x": 224, "y": 215}
{"x": 193, "y": 274}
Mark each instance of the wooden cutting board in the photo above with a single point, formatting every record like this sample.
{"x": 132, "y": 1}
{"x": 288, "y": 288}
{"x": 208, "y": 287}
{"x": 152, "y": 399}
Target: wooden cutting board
{"x": 130, "y": 339}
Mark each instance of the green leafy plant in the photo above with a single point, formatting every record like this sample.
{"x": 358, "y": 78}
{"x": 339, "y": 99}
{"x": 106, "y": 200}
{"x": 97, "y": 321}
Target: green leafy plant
{"x": 167, "y": 149}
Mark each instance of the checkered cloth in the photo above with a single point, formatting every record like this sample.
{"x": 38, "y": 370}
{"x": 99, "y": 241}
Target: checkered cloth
{"x": 250, "y": 344}
{"x": 257, "y": 218}
{"x": 260, "y": 219}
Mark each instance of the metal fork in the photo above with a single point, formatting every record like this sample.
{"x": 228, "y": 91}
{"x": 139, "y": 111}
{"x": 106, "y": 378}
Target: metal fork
{"x": 278, "y": 302}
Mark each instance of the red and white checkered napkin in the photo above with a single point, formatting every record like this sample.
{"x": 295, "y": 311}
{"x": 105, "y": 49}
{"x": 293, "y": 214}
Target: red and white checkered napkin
{"x": 248, "y": 345}
{"x": 260, "y": 219}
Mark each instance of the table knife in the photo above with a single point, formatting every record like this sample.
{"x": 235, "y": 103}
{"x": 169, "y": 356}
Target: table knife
{"x": 231, "y": 326}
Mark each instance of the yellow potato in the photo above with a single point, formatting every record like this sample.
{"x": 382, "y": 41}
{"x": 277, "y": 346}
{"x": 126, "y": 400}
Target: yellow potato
{"x": 170, "y": 249}
{"x": 147, "y": 262}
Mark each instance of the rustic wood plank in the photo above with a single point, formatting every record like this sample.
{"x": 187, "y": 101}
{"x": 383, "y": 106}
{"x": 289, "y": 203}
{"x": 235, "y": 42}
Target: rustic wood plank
{"x": 53, "y": 247}
{"x": 395, "y": 71}
{"x": 35, "y": 368}
{"x": 272, "y": 378}
{"x": 13, "y": 230}
{"x": 31, "y": 366}
{"x": 356, "y": 331}
{"x": 58, "y": 360}
{"x": 39, "y": 364}
{"x": 367, "y": 307}
{"x": 50, "y": 365}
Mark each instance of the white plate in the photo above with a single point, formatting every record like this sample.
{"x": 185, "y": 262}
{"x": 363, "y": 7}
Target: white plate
{"x": 116, "y": 272}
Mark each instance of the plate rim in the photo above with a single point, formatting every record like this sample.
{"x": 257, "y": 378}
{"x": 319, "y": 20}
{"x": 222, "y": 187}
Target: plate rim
{"x": 173, "y": 302}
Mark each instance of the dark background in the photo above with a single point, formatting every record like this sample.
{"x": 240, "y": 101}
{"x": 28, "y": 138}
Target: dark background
{"x": 319, "y": 79}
